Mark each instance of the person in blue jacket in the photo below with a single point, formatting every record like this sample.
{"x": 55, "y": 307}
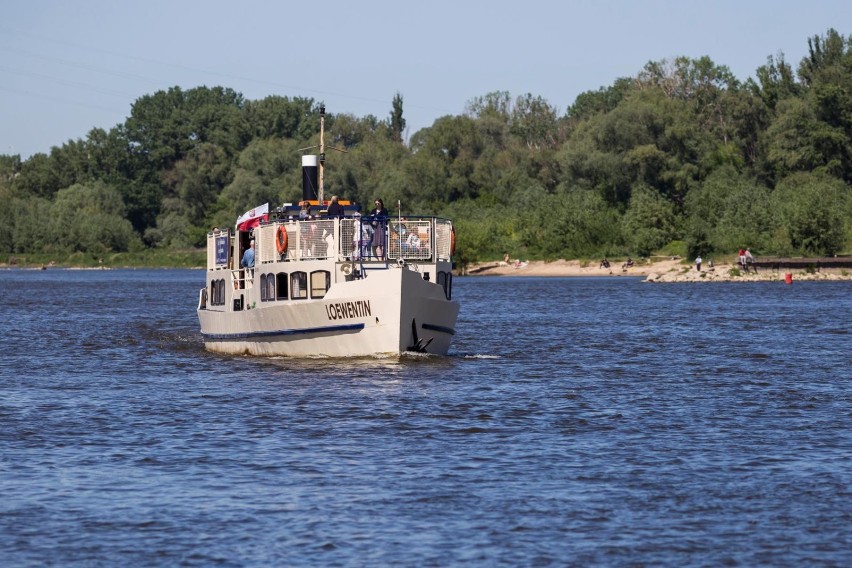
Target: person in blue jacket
{"x": 248, "y": 257}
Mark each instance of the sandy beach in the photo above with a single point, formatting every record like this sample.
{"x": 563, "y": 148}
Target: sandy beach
{"x": 654, "y": 270}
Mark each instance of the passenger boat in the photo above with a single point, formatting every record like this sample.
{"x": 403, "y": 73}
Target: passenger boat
{"x": 319, "y": 286}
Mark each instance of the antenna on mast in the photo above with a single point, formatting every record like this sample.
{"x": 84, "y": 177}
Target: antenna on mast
{"x": 317, "y": 162}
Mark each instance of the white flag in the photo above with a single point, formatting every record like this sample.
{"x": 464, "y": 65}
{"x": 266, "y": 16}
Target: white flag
{"x": 258, "y": 211}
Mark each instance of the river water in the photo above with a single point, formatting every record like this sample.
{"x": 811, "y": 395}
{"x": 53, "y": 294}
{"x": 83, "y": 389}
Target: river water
{"x": 576, "y": 422}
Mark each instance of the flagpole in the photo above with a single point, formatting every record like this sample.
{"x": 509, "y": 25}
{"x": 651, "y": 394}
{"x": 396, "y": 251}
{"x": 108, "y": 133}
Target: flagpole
{"x": 321, "y": 156}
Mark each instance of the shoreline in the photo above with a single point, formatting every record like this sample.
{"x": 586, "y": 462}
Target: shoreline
{"x": 652, "y": 271}
{"x": 655, "y": 271}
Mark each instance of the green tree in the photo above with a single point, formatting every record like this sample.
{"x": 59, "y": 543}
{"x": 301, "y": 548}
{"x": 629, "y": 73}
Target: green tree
{"x": 397, "y": 122}
{"x": 491, "y": 116}
{"x": 348, "y": 131}
{"x": 729, "y": 211}
{"x": 604, "y": 100}
{"x": 824, "y": 52}
{"x": 197, "y": 180}
{"x": 812, "y": 208}
{"x": 534, "y": 122}
{"x": 165, "y": 126}
{"x": 282, "y": 117}
{"x": 444, "y": 159}
{"x": 774, "y": 82}
{"x": 649, "y": 222}
{"x": 91, "y": 218}
{"x": 39, "y": 177}
{"x": 569, "y": 224}
{"x": 798, "y": 141}
{"x": 19, "y": 234}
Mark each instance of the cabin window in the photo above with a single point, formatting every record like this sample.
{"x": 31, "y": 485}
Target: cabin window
{"x": 320, "y": 283}
{"x": 267, "y": 287}
{"x": 299, "y": 286}
{"x": 217, "y": 292}
{"x": 281, "y": 281}
{"x": 270, "y": 287}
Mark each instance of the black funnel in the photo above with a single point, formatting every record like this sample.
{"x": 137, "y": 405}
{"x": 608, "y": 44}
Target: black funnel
{"x": 310, "y": 177}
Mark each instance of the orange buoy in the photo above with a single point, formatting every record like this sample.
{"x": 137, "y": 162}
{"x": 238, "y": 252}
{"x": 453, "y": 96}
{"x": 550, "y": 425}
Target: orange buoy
{"x": 788, "y": 278}
{"x": 281, "y": 239}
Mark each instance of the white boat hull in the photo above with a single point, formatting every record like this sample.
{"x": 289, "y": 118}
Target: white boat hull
{"x": 389, "y": 312}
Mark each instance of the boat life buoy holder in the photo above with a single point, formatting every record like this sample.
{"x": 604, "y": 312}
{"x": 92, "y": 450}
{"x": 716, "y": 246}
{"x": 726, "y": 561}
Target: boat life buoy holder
{"x": 346, "y": 268}
{"x": 281, "y": 240}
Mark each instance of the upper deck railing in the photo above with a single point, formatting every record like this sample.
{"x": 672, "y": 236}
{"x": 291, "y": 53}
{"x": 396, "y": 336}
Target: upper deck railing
{"x": 364, "y": 239}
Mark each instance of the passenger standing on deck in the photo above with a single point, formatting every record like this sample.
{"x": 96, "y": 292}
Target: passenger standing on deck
{"x": 335, "y": 209}
{"x": 380, "y": 222}
{"x": 357, "y": 232}
{"x": 304, "y": 229}
{"x": 248, "y": 257}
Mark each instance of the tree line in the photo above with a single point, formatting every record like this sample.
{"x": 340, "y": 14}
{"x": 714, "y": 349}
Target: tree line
{"x": 682, "y": 158}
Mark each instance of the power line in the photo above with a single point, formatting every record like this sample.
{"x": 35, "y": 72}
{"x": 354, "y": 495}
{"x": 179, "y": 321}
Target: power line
{"x": 181, "y": 67}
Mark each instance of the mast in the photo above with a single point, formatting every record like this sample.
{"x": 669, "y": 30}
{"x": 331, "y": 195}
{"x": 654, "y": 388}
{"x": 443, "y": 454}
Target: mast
{"x": 320, "y": 196}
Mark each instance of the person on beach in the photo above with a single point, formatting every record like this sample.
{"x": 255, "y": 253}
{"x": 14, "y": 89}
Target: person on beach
{"x": 749, "y": 261}
{"x": 698, "y": 263}
{"x": 742, "y": 258}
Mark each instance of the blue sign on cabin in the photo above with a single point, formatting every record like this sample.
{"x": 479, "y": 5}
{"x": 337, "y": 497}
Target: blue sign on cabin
{"x": 221, "y": 250}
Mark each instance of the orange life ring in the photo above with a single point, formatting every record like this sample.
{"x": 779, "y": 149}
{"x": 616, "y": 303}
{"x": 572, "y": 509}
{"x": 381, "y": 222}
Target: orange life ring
{"x": 281, "y": 239}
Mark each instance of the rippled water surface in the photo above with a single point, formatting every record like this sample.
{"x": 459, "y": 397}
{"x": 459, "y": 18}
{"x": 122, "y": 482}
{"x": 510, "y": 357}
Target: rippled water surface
{"x": 575, "y": 422}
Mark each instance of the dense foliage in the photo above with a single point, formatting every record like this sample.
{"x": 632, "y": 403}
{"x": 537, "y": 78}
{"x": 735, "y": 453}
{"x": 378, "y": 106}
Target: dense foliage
{"x": 682, "y": 157}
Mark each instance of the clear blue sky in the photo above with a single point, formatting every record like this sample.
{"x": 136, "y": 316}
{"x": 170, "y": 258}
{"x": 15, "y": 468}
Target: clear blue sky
{"x": 72, "y": 65}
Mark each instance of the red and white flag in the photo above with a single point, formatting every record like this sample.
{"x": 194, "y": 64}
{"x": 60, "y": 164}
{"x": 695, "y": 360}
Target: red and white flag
{"x": 253, "y": 217}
